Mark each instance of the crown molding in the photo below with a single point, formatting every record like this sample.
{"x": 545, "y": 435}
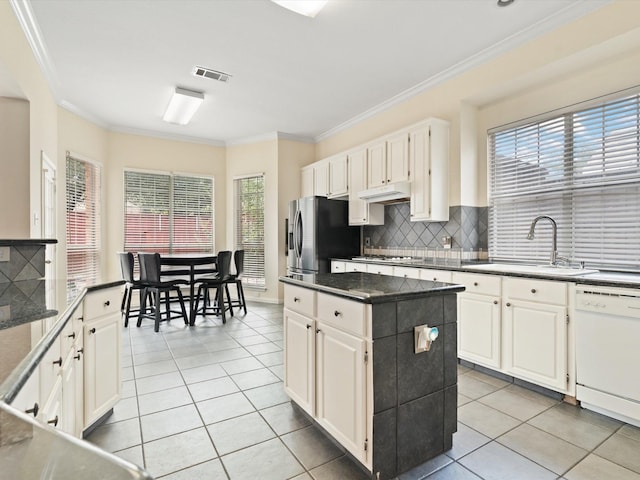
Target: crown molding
{"x": 268, "y": 137}
{"x": 165, "y": 136}
{"x": 26, "y": 19}
{"x": 561, "y": 17}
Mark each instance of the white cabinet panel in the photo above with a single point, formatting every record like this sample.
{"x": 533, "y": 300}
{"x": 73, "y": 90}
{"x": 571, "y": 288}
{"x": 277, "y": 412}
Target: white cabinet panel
{"x": 299, "y": 361}
{"x": 479, "y": 329}
{"x": 361, "y": 212}
{"x": 338, "y": 176}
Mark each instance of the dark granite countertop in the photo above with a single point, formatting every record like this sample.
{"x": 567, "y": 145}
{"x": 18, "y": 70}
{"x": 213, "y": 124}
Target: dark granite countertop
{"x": 601, "y": 278}
{"x": 372, "y": 288}
{"x": 4, "y": 242}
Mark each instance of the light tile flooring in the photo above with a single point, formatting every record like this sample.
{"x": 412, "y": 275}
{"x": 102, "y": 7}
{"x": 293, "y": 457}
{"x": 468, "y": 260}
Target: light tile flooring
{"x": 207, "y": 403}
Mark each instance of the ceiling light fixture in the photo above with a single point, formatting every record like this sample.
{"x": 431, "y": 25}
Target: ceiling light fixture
{"x": 182, "y": 106}
{"x": 505, "y": 3}
{"x": 308, "y": 8}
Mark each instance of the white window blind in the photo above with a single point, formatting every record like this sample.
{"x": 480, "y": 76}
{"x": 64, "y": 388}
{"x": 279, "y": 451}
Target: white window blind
{"x": 583, "y": 169}
{"x": 249, "y": 227}
{"x": 83, "y": 183}
{"x": 168, "y": 213}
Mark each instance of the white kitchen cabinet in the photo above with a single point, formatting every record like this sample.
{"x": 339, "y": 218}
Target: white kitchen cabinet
{"x": 479, "y": 319}
{"x": 338, "y": 176}
{"x": 326, "y": 344}
{"x": 534, "y": 318}
{"x": 360, "y": 211}
{"x": 380, "y": 269}
{"x": 52, "y": 408}
{"x": 101, "y": 353}
{"x": 299, "y": 361}
{"x": 321, "y": 179}
{"x": 355, "y": 267}
{"x": 429, "y": 165}
{"x": 388, "y": 161}
{"x": 435, "y": 275}
{"x": 341, "y": 387}
{"x": 406, "y": 272}
{"x": 306, "y": 181}
{"x": 337, "y": 266}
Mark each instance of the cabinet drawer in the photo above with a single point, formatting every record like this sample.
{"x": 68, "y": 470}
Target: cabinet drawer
{"x": 380, "y": 269}
{"x": 481, "y": 284}
{"x": 531, "y": 290}
{"x": 301, "y": 300}
{"x": 406, "y": 272}
{"x": 435, "y": 275}
{"x": 344, "y": 314}
{"x": 355, "y": 267}
{"x": 337, "y": 267}
{"x": 101, "y": 302}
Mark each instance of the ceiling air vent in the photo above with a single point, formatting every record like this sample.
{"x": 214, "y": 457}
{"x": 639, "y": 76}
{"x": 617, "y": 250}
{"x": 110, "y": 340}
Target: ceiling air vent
{"x": 212, "y": 74}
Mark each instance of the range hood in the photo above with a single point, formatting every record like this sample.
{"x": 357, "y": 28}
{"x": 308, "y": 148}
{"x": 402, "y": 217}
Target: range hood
{"x": 391, "y": 192}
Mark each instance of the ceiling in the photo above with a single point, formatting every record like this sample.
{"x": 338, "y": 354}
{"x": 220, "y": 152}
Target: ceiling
{"x": 116, "y": 63}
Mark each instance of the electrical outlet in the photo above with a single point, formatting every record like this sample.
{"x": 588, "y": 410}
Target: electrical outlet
{"x": 5, "y": 254}
{"x": 367, "y": 241}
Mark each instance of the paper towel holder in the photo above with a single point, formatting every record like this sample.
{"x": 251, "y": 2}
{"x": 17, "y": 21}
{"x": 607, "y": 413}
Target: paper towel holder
{"x": 423, "y": 336}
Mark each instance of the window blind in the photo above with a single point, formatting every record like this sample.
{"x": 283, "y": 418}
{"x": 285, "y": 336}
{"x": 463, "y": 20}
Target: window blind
{"x": 583, "y": 169}
{"x": 83, "y": 182}
{"x": 168, "y": 213}
{"x": 249, "y": 227}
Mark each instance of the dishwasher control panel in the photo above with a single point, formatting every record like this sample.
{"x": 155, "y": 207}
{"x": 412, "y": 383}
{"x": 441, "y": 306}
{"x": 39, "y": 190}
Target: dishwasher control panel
{"x": 624, "y": 302}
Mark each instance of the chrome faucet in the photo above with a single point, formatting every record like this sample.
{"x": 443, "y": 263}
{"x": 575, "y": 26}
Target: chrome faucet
{"x": 554, "y": 239}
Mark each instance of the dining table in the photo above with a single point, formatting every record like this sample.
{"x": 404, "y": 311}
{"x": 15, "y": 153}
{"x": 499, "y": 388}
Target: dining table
{"x": 189, "y": 265}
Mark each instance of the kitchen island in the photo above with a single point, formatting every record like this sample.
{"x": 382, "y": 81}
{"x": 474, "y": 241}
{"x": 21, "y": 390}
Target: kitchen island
{"x": 356, "y": 360}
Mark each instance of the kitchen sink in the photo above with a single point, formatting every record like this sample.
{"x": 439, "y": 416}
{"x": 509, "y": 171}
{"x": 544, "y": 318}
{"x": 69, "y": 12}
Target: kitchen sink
{"x": 559, "y": 270}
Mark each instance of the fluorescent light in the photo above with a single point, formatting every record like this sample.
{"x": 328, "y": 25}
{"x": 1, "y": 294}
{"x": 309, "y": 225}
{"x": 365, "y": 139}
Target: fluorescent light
{"x": 182, "y": 106}
{"x": 309, "y": 8}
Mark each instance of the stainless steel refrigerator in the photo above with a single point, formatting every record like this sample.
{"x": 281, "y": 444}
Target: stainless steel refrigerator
{"x": 318, "y": 230}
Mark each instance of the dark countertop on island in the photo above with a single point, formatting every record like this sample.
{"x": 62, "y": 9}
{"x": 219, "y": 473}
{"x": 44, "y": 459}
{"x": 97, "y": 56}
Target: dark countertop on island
{"x": 370, "y": 287}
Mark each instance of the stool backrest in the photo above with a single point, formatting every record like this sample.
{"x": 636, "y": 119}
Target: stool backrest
{"x": 149, "y": 267}
{"x": 238, "y": 257}
{"x": 223, "y": 264}
{"x": 126, "y": 265}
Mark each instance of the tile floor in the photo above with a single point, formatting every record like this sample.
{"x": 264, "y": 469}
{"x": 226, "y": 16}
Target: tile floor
{"x": 207, "y": 403}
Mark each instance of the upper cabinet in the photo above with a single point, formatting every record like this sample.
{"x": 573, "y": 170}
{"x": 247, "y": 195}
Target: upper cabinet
{"x": 314, "y": 179}
{"x": 360, "y": 211}
{"x": 429, "y": 164}
{"x": 338, "y": 176}
{"x": 388, "y": 161}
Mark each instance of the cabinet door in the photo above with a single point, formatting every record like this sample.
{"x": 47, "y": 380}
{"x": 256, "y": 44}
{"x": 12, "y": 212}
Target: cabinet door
{"x": 338, "y": 176}
{"x": 306, "y": 182}
{"x": 69, "y": 404}
{"x": 535, "y": 342}
{"x": 398, "y": 158}
{"x": 28, "y": 399}
{"x": 101, "y": 367}
{"x": 377, "y": 165}
{"x": 299, "y": 351}
{"x": 479, "y": 329}
{"x": 321, "y": 179}
{"x": 358, "y": 209}
{"x": 52, "y": 408}
{"x": 341, "y": 387}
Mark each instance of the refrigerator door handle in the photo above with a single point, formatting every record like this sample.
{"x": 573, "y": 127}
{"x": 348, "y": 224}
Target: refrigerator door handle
{"x": 298, "y": 234}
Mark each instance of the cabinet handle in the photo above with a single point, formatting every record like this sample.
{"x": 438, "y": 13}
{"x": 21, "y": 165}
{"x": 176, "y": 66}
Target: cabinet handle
{"x": 92, "y": 330}
{"x": 508, "y": 304}
{"x": 435, "y": 279}
{"x": 296, "y": 299}
{"x": 318, "y": 330}
{"x": 73, "y": 335}
{"x": 495, "y": 302}
{"x": 107, "y": 303}
{"x": 533, "y": 290}
{"x": 475, "y": 284}
{"x": 81, "y": 350}
{"x": 77, "y": 357}
{"x": 337, "y": 313}
{"x": 81, "y": 319}
{"x": 59, "y": 362}
{"x": 33, "y": 410}
{"x": 53, "y": 422}
{"x": 308, "y": 326}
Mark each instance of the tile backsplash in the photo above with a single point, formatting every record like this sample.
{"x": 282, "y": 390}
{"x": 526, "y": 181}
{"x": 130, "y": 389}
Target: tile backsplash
{"x": 467, "y": 227}
{"x": 26, "y": 262}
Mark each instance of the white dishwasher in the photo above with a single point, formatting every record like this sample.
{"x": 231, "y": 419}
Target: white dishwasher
{"x": 608, "y": 351}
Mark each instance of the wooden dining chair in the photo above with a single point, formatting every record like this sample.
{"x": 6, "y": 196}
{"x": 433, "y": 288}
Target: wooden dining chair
{"x": 219, "y": 281}
{"x": 236, "y": 278}
{"x": 154, "y": 286}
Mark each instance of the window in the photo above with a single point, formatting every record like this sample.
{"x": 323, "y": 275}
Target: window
{"x": 83, "y": 224}
{"x": 168, "y": 213}
{"x": 249, "y": 227}
{"x": 582, "y": 168}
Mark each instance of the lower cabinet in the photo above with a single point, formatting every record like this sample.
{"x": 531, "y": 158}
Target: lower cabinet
{"x": 101, "y": 354}
{"x": 326, "y": 368}
{"x": 341, "y": 393}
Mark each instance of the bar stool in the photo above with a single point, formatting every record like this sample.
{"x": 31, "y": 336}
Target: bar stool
{"x": 150, "y": 280}
{"x": 219, "y": 281}
{"x": 238, "y": 258}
